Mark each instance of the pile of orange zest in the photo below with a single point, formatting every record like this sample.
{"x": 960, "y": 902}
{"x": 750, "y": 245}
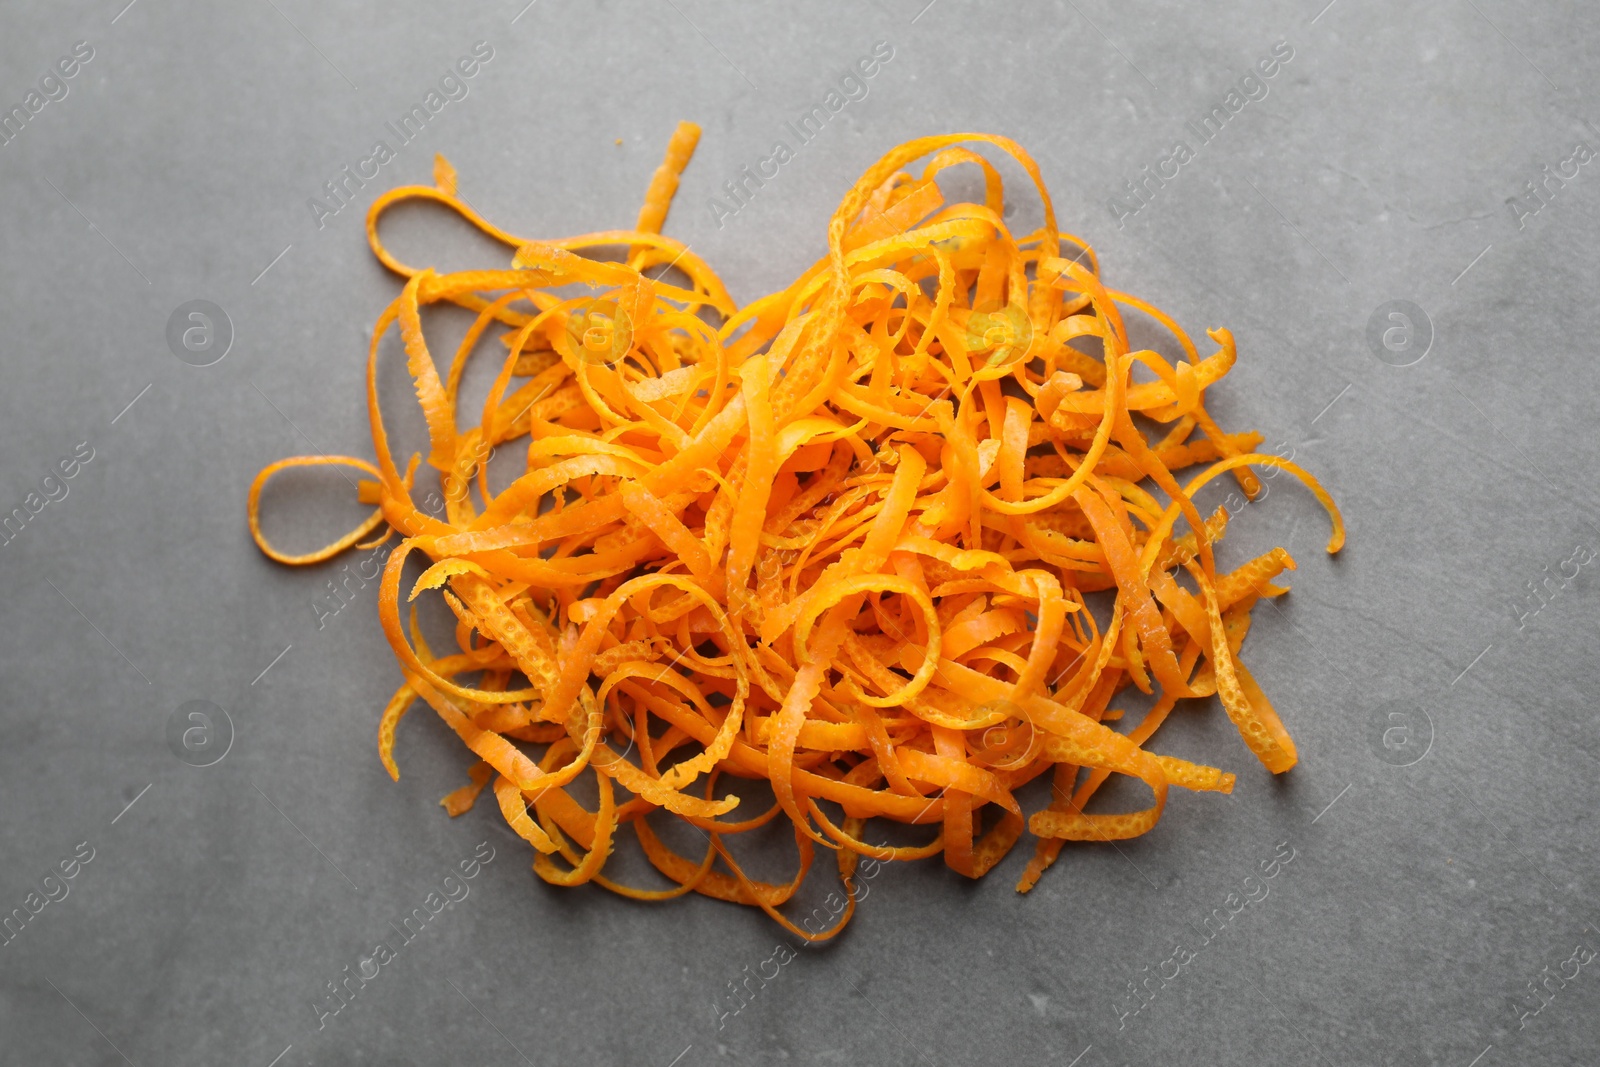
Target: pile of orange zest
{"x": 841, "y": 542}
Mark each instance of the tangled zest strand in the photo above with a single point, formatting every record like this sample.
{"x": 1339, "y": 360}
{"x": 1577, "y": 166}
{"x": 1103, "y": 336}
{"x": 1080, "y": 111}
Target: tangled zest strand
{"x": 840, "y": 543}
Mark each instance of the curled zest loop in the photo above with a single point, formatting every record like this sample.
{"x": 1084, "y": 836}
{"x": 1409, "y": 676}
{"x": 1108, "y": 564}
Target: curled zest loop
{"x": 327, "y": 551}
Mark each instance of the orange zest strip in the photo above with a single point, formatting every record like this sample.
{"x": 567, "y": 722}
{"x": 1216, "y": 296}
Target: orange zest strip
{"x": 664, "y": 183}
{"x": 328, "y": 551}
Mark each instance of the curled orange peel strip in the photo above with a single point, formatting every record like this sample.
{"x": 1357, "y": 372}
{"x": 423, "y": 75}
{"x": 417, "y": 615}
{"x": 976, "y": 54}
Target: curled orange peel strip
{"x": 328, "y": 551}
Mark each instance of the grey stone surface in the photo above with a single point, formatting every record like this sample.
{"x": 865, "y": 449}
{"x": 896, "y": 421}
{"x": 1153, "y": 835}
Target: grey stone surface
{"x": 1422, "y": 898}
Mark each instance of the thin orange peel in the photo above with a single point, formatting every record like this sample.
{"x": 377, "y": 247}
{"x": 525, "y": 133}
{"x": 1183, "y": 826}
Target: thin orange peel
{"x": 840, "y": 543}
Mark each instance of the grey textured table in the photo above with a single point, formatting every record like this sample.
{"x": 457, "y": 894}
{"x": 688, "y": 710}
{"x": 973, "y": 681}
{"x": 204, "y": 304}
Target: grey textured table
{"x": 1441, "y": 822}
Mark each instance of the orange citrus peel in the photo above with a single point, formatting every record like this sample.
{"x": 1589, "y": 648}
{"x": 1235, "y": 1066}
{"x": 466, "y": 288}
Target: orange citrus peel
{"x": 841, "y": 543}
